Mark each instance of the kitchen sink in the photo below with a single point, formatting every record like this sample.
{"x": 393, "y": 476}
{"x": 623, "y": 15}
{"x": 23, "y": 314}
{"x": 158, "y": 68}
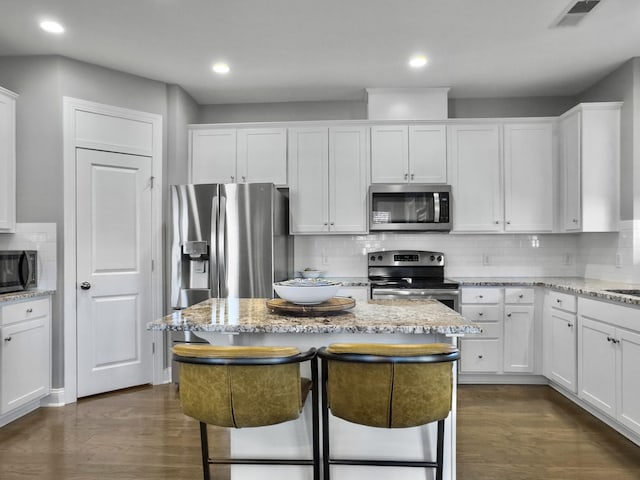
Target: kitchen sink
{"x": 626, "y": 291}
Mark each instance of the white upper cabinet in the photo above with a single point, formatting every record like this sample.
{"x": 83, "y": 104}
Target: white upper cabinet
{"x": 528, "y": 177}
{"x": 590, "y": 161}
{"x": 502, "y": 177}
{"x": 262, "y": 155}
{"x": 239, "y": 155}
{"x": 7, "y": 161}
{"x": 414, "y": 154}
{"x": 474, "y": 174}
{"x": 328, "y": 179}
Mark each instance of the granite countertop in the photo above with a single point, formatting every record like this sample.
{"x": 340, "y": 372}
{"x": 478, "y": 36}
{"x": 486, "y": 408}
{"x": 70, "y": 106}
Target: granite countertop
{"x": 13, "y": 296}
{"x": 251, "y": 315}
{"x": 576, "y": 285}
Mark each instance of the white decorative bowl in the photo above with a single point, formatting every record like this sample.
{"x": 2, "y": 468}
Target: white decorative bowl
{"x": 306, "y": 291}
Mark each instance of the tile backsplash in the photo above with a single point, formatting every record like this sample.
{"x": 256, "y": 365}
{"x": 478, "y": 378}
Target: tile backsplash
{"x": 40, "y": 237}
{"x": 607, "y": 256}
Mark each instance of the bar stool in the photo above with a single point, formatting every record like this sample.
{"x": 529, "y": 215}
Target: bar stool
{"x": 238, "y": 387}
{"x": 387, "y": 386}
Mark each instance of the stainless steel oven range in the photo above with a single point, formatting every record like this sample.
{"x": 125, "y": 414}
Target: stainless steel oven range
{"x": 411, "y": 274}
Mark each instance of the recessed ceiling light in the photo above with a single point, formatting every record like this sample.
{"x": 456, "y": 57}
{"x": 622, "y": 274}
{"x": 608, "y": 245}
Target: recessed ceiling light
{"x": 221, "y": 68}
{"x": 418, "y": 61}
{"x": 51, "y": 27}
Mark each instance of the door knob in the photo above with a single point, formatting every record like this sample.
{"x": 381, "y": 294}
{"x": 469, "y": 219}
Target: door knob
{"x": 85, "y": 285}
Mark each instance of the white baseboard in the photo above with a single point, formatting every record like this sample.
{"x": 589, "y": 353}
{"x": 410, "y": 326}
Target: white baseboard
{"x": 507, "y": 379}
{"x": 54, "y": 399}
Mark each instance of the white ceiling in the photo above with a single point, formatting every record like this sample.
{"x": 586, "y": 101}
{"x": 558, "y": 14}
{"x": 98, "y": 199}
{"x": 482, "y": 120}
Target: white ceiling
{"x": 297, "y": 50}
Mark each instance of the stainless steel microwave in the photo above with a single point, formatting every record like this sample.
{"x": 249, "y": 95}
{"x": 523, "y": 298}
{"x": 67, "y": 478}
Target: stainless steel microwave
{"x": 18, "y": 270}
{"x": 410, "y": 207}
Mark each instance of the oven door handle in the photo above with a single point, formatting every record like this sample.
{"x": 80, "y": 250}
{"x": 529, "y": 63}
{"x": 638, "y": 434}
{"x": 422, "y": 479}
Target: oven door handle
{"x": 415, "y": 292}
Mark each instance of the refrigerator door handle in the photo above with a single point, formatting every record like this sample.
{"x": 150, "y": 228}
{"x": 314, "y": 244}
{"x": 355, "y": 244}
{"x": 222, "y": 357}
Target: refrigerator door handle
{"x": 222, "y": 247}
{"x": 214, "y": 278}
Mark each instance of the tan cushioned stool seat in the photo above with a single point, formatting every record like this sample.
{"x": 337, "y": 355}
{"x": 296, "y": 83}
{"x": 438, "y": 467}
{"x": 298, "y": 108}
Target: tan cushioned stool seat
{"x": 237, "y": 395}
{"x": 390, "y": 395}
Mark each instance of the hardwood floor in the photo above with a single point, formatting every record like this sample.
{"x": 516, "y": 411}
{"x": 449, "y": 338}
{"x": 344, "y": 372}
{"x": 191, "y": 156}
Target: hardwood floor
{"x": 504, "y": 432}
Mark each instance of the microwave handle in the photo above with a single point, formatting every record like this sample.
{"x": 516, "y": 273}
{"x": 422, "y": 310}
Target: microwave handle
{"x": 24, "y": 270}
{"x": 436, "y": 207}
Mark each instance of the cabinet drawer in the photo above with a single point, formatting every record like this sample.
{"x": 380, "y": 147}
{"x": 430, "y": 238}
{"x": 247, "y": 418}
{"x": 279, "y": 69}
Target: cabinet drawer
{"x": 518, "y": 295}
{"x": 481, "y": 313}
{"x": 479, "y": 355}
{"x": 563, "y": 301}
{"x": 19, "y": 311}
{"x": 480, "y": 295}
{"x": 489, "y": 330}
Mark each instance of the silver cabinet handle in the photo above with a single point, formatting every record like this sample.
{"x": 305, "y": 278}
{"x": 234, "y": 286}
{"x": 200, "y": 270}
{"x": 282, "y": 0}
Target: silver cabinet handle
{"x": 480, "y": 314}
{"x": 508, "y": 222}
{"x": 29, "y": 310}
{"x": 497, "y": 222}
{"x": 509, "y": 315}
{"x": 7, "y": 339}
{"x": 244, "y": 179}
{"x": 479, "y": 356}
{"x": 521, "y": 296}
{"x": 558, "y": 301}
{"x": 412, "y": 175}
{"x": 406, "y": 176}
{"x": 85, "y": 285}
{"x": 569, "y": 325}
{"x": 233, "y": 178}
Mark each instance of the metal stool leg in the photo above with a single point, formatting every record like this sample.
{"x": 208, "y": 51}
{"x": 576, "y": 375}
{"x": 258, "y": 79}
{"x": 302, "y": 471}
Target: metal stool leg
{"x": 325, "y": 423}
{"x": 315, "y": 419}
{"x": 440, "y": 452}
{"x": 204, "y": 444}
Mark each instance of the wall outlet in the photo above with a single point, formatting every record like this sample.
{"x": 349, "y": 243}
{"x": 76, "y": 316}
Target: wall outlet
{"x": 618, "y": 260}
{"x": 485, "y": 259}
{"x": 568, "y": 259}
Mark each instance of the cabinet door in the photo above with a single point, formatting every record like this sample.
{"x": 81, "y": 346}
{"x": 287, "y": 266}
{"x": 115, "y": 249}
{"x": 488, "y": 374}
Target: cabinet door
{"x": 25, "y": 363}
{"x": 571, "y": 169}
{"x": 629, "y": 379}
{"x": 518, "y": 338}
{"x": 474, "y": 163}
{"x": 309, "y": 179}
{"x": 597, "y": 365}
{"x": 348, "y": 179}
{"x": 7, "y": 162}
{"x": 528, "y": 177}
{"x": 213, "y": 156}
{"x": 262, "y": 155}
{"x": 428, "y": 154}
{"x": 562, "y": 349}
{"x": 389, "y": 154}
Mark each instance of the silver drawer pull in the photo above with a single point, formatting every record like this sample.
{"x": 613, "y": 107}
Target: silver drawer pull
{"x": 7, "y": 339}
{"x": 29, "y": 310}
{"x": 479, "y": 356}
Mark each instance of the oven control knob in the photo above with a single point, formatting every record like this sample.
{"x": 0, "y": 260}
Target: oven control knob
{"x": 439, "y": 258}
{"x": 373, "y": 258}
{"x": 432, "y": 258}
{"x": 380, "y": 258}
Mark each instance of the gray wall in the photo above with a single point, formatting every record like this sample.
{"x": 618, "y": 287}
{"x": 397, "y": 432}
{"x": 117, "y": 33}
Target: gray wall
{"x": 42, "y": 81}
{"x": 282, "y": 112}
{"x": 509, "y": 107}
{"x": 623, "y": 85}
{"x": 182, "y": 110}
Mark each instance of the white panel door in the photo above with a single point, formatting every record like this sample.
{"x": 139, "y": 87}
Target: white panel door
{"x": 309, "y": 179}
{"x": 390, "y": 154}
{"x": 114, "y": 259}
{"x": 262, "y": 155}
{"x": 476, "y": 187}
{"x": 213, "y": 156}
{"x": 629, "y": 379}
{"x": 518, "y": 338}
{"x": 563, "y": 342}
{"x": 597, "y": 365}
{"x": 428, "y": 154}
{"x": 528, "y": 177}
{"x": 348, "y": 179}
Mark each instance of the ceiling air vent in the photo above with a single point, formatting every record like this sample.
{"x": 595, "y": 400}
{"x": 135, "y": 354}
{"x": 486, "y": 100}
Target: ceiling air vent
{"x": 576, "y": 12}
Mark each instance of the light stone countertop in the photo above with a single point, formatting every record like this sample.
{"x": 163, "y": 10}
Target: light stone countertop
{"x": 14, "y": 296}
{"x": 251, "y": 315}
{"x": 576, "y": 285}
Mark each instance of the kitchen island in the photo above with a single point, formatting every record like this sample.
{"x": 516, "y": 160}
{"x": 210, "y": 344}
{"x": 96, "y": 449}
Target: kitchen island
{"x": 249, "y": 322}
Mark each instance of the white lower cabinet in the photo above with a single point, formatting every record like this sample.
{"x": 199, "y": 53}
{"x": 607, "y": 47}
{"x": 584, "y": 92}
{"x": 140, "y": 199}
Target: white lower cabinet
{"x": 609, "y": 360}
{"x": 560, "y": 339}
{"x": 25, "y": 354}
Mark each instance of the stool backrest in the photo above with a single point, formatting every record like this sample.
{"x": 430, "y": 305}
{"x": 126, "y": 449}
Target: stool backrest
{"x": 241, "y": 386}
{"x": 389, "y": 386}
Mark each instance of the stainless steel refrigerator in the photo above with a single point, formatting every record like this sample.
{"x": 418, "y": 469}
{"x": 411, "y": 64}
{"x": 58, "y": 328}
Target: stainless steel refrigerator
{"x": 227, "y": 240}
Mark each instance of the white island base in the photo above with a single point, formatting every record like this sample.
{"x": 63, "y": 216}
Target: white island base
{"x": 293, "y": 439}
